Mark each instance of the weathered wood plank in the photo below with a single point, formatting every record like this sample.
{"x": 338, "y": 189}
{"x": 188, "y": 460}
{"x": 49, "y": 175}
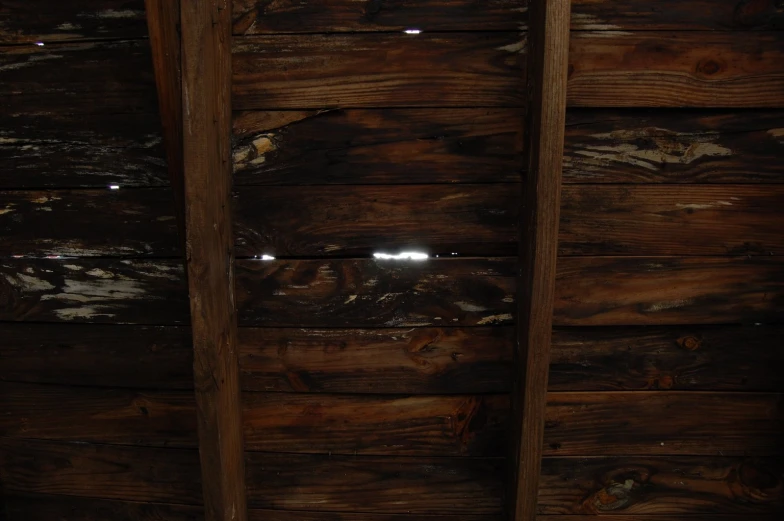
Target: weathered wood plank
{"x": 366, "y": 484}
{"x": 93, "y": 290}
{"x": 370, "y": 293}
{"x": 118, "y": 416}
{"x": 43, "y": 507}
{"x": 677, "y": 486}
{"x": 668, "y": 290}
{"x": 676, "y": 517}
{"x": 676, "y": 69}
{"x": 385, "y": 146}
{"x": 361, "y": 220}
{"x": 256, "y": 514}
{"x": 416, "y": 361}
{"x": 728, "y": 358}
{"x": 674, "y": 146}
{"x": 103, "y": 356}
{"x": 671, "y": 220}
{"x": 379, "y": 70}
{"x": 376, "y": 425}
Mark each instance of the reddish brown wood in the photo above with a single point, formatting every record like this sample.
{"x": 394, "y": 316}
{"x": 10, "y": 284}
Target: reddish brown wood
{"x": 43, "y": 507}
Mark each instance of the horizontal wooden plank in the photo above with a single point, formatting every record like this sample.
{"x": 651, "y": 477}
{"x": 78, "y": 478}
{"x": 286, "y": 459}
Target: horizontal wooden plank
{"x": 379, "y": 70}
{"x": 673, "y": 146}
{"x": 104, "y": 471}
{"x": 375, "y": 293}
{"x": 675, "y": 486}
{"x": 93, "y": 290}
{"x": 367, "y": 484}
{"x": 84, "y": 223}
{"x": 376, "y": 425}
{"x": 86, "y": 150}
{"x": 666, "y": 423}
{"x": 668, "y": 290}
{"x": 256, "y": 514}
{"x": 97, "y": 355}
{"x": 417, "y": 361}
{"x": 383, "y": 146}
{"x": 361, "y": 220}
{"x": 729, "y": 358}
{"x": 671, "y": 220}
{"x": 676, "y": 69}
{"x": 44, "y": 507}
{"x": 675, "y": 517}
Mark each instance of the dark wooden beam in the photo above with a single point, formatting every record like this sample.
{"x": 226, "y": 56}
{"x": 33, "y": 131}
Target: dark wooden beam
{"x": 206, "y": 82}
{"x": 547, "y": 74}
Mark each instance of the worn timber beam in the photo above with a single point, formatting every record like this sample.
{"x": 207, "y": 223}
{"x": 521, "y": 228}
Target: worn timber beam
{"x": 547, "y": 74}
{"x": 206, "y": 105}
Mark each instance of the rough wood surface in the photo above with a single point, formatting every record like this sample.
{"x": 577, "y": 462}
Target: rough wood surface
{"x": 671, "y": 220}
{"x": 379, "y": 70}
{"x": 417, "y": 361}
{"x": 668, "y": 290}
{"x": 676, "y": 69}
{"x": 728, "y": 358}
{"x": 674, "y": 146}
{"x": 43, "y": 507}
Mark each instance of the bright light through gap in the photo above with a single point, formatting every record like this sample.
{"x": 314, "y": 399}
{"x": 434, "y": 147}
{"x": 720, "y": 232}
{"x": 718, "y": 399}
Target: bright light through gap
{"x": 114, "y": 187}
{"x": 264, "y": 257}
{"x": 410, "y": 255}
{"x": 39, "y": 44}
{"x": 412, "y": 31}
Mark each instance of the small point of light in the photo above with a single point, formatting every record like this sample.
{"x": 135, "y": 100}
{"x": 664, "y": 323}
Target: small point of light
{"x": 409, "y": 255}
{"x": 413, "y": 31}
{"x": 17, "y": 256}
{"x": 453, "y": 253}
{"x": 54, "y": 257}
{"x": 267, "y": 257}
{"x": 39, "y": 44}
{"x": 114, "y": 187}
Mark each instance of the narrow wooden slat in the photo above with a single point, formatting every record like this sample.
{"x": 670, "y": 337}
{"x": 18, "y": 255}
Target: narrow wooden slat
{"x": 256, "y": 514}
{"x": 728, "y": 358}
{"x": 416, "y": 361}
{"x": 676, "y": 517}
{"x": 676, "y": 69}
{"x": 380, "y": 70}
{"x": 42, "y": 507}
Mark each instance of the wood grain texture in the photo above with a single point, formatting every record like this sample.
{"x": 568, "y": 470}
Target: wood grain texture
{"x": 416, "y": 361}
{"x": 401, "y": 485}
{"x": 376, "y": 425}
{"x": 676, "y": 486}
{"x": 116, "y": 416}
{"x": 380, "y": 70}
{"x": 103, "y": 356}
{"x": 668, "y": 290}
{"x": 360, "y": 220}
{"x": 676, "y": 69}
{"x": 43, "y": 507}
{"x": 674, "y": 146}
{"x": 370, "y": 293}
{"x": 86, "y": 223}
{"x": 671, "y": 220}
{"x": 727, "y": 358}
{"x": 385, "y": 146}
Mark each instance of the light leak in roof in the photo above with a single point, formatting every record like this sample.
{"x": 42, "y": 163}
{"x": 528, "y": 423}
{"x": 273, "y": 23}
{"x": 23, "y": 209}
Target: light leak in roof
{"x": 405, "y": 255}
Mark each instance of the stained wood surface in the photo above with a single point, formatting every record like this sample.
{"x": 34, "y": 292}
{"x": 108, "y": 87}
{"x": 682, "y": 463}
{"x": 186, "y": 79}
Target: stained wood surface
{"x": 42, "y": 507}
{"x": 674, "y": 146}
{"x": 360, "y": 220}
{"x": 676, "y": 69}
{"x": 379, "y": 70}
{"x": 668, "y": 290}
{"x": 376, "y": 425}
{"x": 671, "y": 220}
{"x": 106, "y": 356}
{"x": 372, "y": 484}
{"x": 417, "y": 361}
{"x": 728, "y": 358}
{"x": 371, "y": 293}
{"x": 677, "y": 486}
{"x": 385, "y": 146}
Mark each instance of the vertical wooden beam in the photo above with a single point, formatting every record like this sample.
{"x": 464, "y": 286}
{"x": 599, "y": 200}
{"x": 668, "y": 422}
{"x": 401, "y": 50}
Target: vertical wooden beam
{"x": 548, "y": 52}
{"x": 206, "y": 102}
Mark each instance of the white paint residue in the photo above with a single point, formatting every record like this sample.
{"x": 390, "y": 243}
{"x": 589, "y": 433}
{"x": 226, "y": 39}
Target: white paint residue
{"x": 662, "y": 306}
{"x": 492, "y": 319}
{"x": 702, "y": 206}
{"x": 588, "y": 22}
{"x": 350, "y": 299}
{"x": 68, "y": 26}
{"x": 97, "y": 272}
{"x": 517, "y": 47}
{"x": 30, "y": 61}
{"x": 28, "y": 283}
{"x": 471, "y": 308}
{"x": 119, "y": 13}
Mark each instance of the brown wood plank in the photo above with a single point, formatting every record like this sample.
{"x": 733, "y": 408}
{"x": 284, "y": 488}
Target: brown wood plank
{"x": 379, "y": 70}
{"x": 86, "y": 223}
{"x": 93, "y": 290}
{"x": 385, "y": 146}
{"x": 376, "y": 425}
{"x": 43, "y": 507}
{"x": 728, "y": 358}
{"x": 105, "y": 356}
{"x": 671, "y": 220}
{"x": 676, "y": 69}
{"x": 676, "y": 517}
{"x": 102, "y": 471}
{"x": 360, "y": 220}
{"x": 117, "y": 416}
{"x": 256, "y": 514}
{"x": 668, "y": 290}
{"x": 675, "y": 486}
{"x": 371, "y": 293}
{"x": 417, "y": 361}
{"x": 674, "y": 146}
{"x": 371, "y": 484}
